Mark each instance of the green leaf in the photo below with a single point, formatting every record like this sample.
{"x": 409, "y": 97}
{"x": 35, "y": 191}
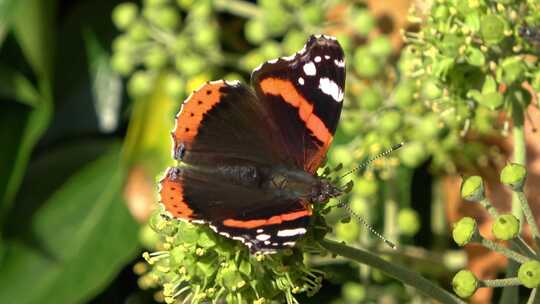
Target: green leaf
{"x": 106, "y": 84}
{"x": 81, "y": 237}
{"x": 7, "y": 8}
{"x": 34, "y": 28}
{"x": 15, "y": 86}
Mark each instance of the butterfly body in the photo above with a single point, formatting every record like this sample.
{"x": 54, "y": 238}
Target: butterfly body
{"x": 248, "y": 157}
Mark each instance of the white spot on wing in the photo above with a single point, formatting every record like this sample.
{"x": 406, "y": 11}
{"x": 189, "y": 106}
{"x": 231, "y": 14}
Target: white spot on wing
{"x": 329, "y": 87}
{"x": 289, "y": 243}
{"x": 318, "y": 59}
{"x": 291, "y": 232}
{"x": 263, "y": 237}
{"x": 237, "y": 238}
{"x": 301, "y": 80}
{"x": 289, "y": 58}
{"x": 339, "y": 63}
{"x": 260, "y": 230}
{"x": 232, "y": 83}
{"x": 310, "y": 69}
{"x": 225, "y": 234}
{"x": 326, "y": 56}
{"x": 266, "y": 242}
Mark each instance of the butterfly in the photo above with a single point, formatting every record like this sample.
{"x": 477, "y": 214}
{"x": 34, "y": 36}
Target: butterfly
{"x": 248, "y": 156}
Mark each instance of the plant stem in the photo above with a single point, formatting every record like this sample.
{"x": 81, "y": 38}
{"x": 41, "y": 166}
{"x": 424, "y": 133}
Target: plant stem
{"x": 400, "y": 273}
{"x": 534, "y": 297}
{"x": 528, "y": 215}
{"x": 511, "y": 254}
{"x": 501, "y": 282}
{"x": 238, "y": 8}
{"x": 519, "y": 157}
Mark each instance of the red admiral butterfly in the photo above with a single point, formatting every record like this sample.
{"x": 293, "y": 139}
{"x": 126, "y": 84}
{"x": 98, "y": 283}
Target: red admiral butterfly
{"x": 248, "y": 160}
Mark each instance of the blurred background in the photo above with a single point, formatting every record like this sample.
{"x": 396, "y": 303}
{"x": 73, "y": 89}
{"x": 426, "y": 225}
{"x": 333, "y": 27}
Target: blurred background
{"x": 89, "y": 90}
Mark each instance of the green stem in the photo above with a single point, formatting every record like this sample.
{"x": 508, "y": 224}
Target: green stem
{"x": 518, "y": 134}
{"x": 238, "y": 8}
{"x": 509, "y": 253}
{"x": 528, "y": 215}
{"x": 500, "y": 282}
{"x": 534, "y": 297}
{"x": 400, "y": 273}
{"x": 510, "y": 295}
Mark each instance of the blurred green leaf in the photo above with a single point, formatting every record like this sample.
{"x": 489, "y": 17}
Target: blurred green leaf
{"x": 6, "y": 8}
{"x": 33, "y": 24}
{"x": 106, "y": 84}
{"x": 82, "y": 237}
{"x": 15, "y": 86}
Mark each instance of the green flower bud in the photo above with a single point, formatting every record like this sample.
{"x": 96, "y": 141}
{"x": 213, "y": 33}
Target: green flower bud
{"x": 365, "y": 187}
{"x": 529, "y": 274}
{"x": 413, "y": 154}
{"x": 122, "y": 43}
{"x": 270, "y": 50}
{"x": 185, "y": 4}
{"x": 277, "y": 21}
{"x": 164, "y": 16}
{"x": 348, "y": 232}
{"x": 431, "y": 89}
{"x": 189, "y": 64}
{"x": 390, "y": 121}
{"x": 428, "y": 127}
{"x": 255, "y": 31}
{"x": 137, "y": 31}
{"x": 124, "y": 14}
{"x": 140, "y": 83}
{"x": 492, "y": 29}
{"x": 513, "y": 69}
{"x": 363, "y": 21}
{"x": 206, "y": 37}
{"x": 514, "y": 176}
{"x": 174, "y": 84}
{"x": 353, "y": 292}
{"x": 365, "y": 64}
{"x": 293, "y": 41}
{"x": 404, "y": 93}
{"x": 464, "y": 283}
{"x": 312, "y": 14}
{"x": 472, "y": 188}
{"x": 408, "y": 222}
{"x": 505, "y": 227}
{"x": 370, "y": 99}
{"x": 122, "y": 63}
{"x": 155, "y": 58}
{"x": 154, "y": 2}
{"x": 464, "y": 230}
{"x": 441, "y": 12}
{"x": 380, "y": 46}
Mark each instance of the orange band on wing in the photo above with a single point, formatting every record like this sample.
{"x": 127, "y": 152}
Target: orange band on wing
{"x": 193, "y": 109}
{"x": 285, "y": 89}
{"x": 172, "y": 196}
{"x": 274, "y": 220}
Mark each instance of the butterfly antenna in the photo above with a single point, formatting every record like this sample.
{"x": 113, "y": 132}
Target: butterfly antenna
{"x": 368, "y": 226}
{"x": 369, "y": 161}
